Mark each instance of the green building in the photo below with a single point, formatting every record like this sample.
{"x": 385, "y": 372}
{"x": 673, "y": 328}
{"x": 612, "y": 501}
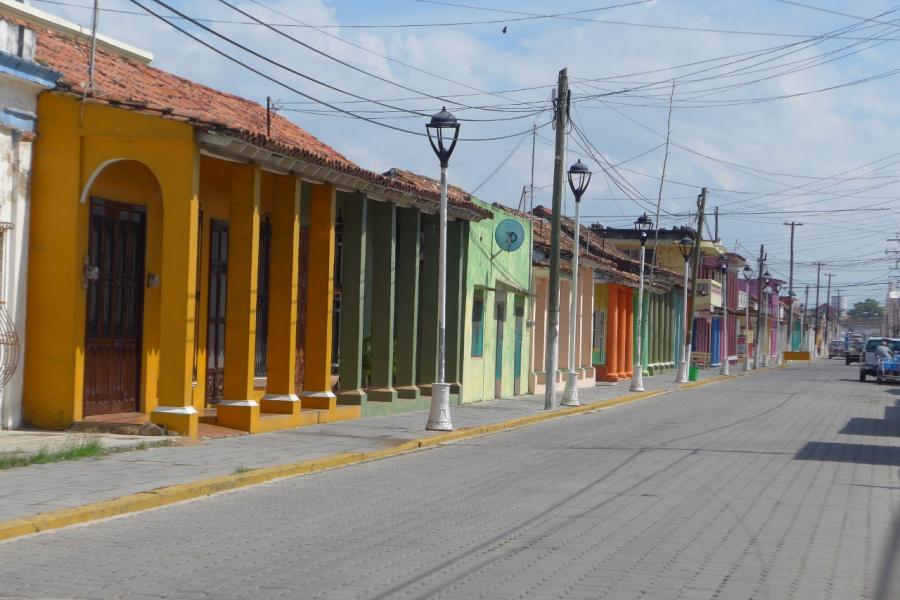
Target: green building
{"x": 496, "y": 337}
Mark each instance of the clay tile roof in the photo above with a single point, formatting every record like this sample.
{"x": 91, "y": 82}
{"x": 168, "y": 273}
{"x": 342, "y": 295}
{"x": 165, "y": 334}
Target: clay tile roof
{"x": 456, "y": 196}
{"x": 129, "y": 84}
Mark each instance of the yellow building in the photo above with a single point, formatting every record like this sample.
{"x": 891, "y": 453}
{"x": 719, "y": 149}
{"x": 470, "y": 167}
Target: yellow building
{"x": 182, "y": 250}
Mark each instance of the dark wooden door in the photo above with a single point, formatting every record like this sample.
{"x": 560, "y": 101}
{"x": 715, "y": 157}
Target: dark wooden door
{"x": 115, "y": 308}
{"x": 215, "y": 319}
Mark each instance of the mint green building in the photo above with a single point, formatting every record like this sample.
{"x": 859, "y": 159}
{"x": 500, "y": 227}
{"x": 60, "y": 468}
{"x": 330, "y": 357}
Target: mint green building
{"x": 496, "y": 337}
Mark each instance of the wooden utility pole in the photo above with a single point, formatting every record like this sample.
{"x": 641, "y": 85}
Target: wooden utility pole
{"x": 792, "y": 225}
{"x": 828, "y": 310}
{"x": 761, "y": 299}
{"x": 695, "y": 274}
{"x": 552, "y": 358}
{"x": 816, "y": 331}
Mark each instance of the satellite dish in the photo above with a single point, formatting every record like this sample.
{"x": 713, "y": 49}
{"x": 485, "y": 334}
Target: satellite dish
{"x": 510, "y": 235}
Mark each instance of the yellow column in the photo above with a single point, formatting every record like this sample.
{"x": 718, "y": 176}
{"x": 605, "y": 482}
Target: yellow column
{"x": 282, "y": 340}
{"x": 320, "y": 297}
{"x": 239, "y": 410}
{"x": 177, "y": 297}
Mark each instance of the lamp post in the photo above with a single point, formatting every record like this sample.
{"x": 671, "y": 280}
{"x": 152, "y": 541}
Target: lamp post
{"x": 686, "y": 247}
{"x": 765, "y": 295}
{"x": 748, "y": 275}
{"x": 777, "y": 290}
{"x": 642, "y": 226}
{"x": 443, "y": 133}
{"x": 723, "y": 266}
{"x": 579, "y": 178}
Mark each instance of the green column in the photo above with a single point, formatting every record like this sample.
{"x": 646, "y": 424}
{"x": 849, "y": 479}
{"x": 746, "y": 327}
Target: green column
{"x": 353, "y": 289}
{"x": 657, "y": 330}
{"x": 407, "y": 301}
{"x": 383, "y": 221}
{"x": 645, "y": 334}
{"x": 456, "y": 260}
{"x": 428, "y": 318}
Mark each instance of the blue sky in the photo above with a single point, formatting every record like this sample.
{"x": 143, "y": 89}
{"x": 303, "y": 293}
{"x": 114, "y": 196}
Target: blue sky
{"x": 761, "y": 154}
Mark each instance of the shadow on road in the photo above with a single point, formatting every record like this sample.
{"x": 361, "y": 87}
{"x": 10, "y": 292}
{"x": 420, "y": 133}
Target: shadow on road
{"x": 868, "y": 454}
{"x": 865, "y": 426}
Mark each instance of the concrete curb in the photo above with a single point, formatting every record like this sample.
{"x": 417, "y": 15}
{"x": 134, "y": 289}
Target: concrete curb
{"x": 182, "y": 492}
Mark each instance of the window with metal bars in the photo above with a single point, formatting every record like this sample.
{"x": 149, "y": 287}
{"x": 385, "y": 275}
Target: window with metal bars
{"x": 262, "y": 297}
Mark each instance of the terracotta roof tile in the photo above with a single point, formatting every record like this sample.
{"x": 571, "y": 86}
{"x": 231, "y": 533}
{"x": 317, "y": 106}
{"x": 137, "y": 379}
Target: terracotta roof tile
{"x": 129, "y": 84}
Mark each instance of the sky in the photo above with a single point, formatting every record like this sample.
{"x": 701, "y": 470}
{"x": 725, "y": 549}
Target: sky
{"x": 785, "y": 111}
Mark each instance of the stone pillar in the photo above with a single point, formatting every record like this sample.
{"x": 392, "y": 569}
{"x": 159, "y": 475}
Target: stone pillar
{"x": 626, "y": 329}
{"x": 428, "y": 304}
{"x": 320, "y": 300}
{"x": 383, "y": 226}
{"x": 177, "y": 300}
{"x": 565, "y": 314}
{"x": 238, "y": 409}
{"x": 282, "y": 337}
{"x": 587, "y": 323}
{"x": 407, "y": 301}
{"x": 456, "y": 269}
{"x": 353, "y": 297}
{"x": 611, "y": 362}
{"x": 539, "y": 331}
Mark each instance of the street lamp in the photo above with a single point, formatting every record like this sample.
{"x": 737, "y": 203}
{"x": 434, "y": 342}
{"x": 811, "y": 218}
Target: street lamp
{"x": 443, "y": 133}
{"x": 642, "y": 226}
{"x": 768, "y": 337}
{"x": 748, "y": 275}
{"x": 723, "y": 266}
{"x": 686, "y": 247}
{"x": 579, "y": 178}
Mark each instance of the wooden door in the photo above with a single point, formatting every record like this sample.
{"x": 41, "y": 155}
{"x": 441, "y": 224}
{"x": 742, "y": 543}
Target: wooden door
{"x": 500, "y": 316}
{"x": 115, "y": 308}
{"x": 215, "y": 311}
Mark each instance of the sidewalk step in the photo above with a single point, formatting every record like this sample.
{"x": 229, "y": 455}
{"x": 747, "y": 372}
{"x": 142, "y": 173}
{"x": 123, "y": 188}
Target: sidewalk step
{"x": 313, "y": 416}
{"x": 276, "y": 421}
{"x": 346, "y": 413}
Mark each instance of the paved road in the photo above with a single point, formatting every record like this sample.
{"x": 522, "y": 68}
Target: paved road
{"x": 780, "y": 485}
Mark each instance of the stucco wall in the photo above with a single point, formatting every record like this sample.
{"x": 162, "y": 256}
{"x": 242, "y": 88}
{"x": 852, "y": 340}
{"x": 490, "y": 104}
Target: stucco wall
{"x": 503, "y": 276}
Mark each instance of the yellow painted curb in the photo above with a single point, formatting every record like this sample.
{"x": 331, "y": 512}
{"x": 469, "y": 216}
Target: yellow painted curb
{"x": 163, "y": 496}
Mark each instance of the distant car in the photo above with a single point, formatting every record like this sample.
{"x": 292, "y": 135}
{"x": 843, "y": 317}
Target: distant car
{"x": 854, "y": 350}
{"x": 835, "y": 348}
{"x": 868, "y": 363}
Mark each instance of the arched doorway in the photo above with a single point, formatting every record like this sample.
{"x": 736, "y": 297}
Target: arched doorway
{"x": 115, "y": 278}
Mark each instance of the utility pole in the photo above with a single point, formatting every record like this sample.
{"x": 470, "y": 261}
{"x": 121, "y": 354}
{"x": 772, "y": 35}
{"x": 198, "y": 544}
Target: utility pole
{"x": 716, "y": 236}
{"x": 760, "y": 304}
{"x": 552, "y": 358}
{"x": 828, "y": 310}
{"x": 689, "y": 322}
{"x": 792, "y": 225}
{"x": 816, "y": 330}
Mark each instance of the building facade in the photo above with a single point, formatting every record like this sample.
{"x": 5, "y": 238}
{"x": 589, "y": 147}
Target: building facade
{"x": 21, "y": 80}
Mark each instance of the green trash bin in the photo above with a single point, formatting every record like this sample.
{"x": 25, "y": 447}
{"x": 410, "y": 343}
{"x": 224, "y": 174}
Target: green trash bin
{"x": 693, "y": 373}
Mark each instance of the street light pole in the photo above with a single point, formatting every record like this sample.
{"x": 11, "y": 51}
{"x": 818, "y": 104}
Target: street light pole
{"x": 579, "y": 178}
{"x": 765, "y": 294}
{"x": 642, "y": 226}
{"x": 724, "y": 336}
{"x": 777, "y": 290}
{"x": 686, "y": 247}
{"x": 441, "y": 126}
{"x": 748, "y": 275}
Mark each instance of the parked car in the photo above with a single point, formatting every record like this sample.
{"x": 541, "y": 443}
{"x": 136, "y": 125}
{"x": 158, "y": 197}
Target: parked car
{"x": 868, "y": 363}
{"x": 835, "y": 348}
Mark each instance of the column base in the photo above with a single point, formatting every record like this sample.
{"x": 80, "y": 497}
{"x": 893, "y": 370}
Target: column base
{"x": 282, "y": 404}
{"x": 387, "y": 394}
{"x": 180, "y": 419}
{"x": 352, "y": 398}
{"x": 242, "y": 415}
{"x": 604, "y": 375}
{"x": 320, "y": 400}
{"x": 408, "y": 392}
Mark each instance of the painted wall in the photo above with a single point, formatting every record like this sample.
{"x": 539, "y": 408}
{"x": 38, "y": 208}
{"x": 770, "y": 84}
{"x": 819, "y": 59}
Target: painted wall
{"x": 502, "y": 277}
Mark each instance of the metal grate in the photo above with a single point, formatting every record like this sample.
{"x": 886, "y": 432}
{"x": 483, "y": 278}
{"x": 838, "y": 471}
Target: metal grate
{"x": 9, "y": 339}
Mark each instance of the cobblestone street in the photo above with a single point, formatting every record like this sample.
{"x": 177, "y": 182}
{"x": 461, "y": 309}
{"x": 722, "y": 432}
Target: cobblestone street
{"x": 778, "y": 485}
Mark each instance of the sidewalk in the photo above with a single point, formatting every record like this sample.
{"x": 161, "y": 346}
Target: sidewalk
{"x": 29, "y": 491}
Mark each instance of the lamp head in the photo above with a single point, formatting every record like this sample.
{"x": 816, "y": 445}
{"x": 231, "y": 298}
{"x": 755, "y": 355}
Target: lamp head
{"x": 443, "y": 133}
{"x": 579, "y": 179}
{"x": 686, "y": 247}
{"x": 748, "y": 272}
